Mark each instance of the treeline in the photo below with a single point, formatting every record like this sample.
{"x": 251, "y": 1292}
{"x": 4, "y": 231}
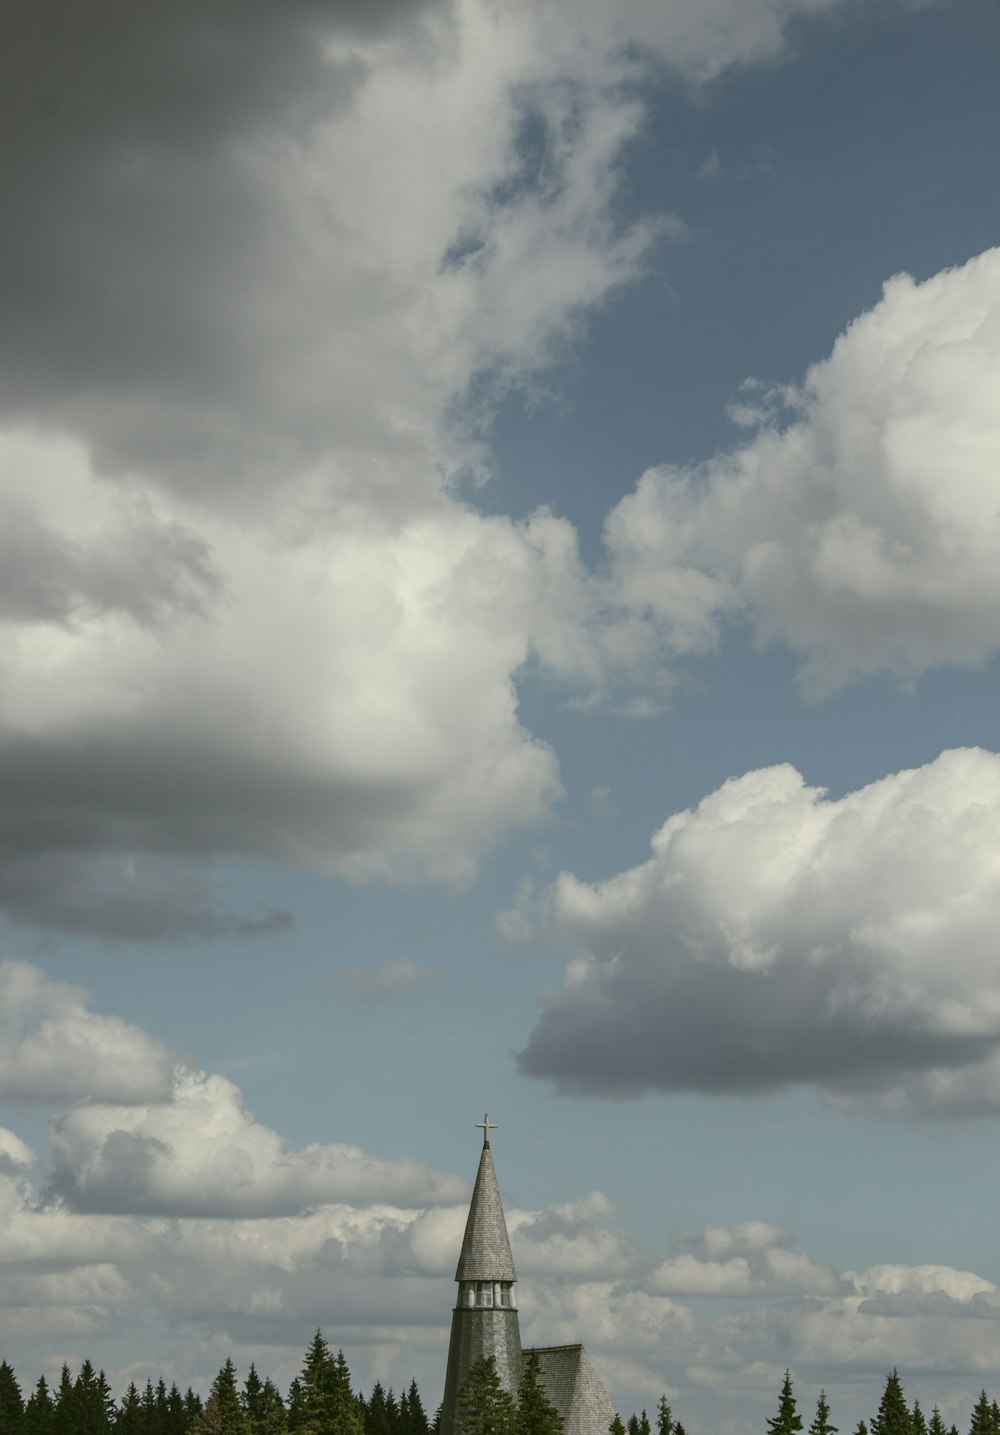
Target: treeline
{"x": 320, "y": 1401}
{"x": 894, "y": 1416}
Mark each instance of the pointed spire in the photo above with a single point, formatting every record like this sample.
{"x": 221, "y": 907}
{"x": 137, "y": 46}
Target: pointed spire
{"x": 486, "y": 1248}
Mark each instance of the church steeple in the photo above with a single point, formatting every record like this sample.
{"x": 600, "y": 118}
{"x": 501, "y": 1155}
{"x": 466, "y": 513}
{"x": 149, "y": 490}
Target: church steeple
{"x": 486, "y": 1248}
{"x": 484, "y": 1322}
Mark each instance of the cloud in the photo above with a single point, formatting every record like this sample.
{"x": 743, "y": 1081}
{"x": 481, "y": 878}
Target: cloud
{"x": 53, "y": 1048}
{"x": 266, "y": 282}
{"x": 392, "y": 981}
{"x": 202, "y": 1154}
{"x": 753, "y": 1258}
{"x": 835, "y": 534}
{"x": 778, "y": 937}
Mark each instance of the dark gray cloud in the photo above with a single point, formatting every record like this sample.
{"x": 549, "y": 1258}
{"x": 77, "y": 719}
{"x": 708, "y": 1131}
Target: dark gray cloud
{"x": 142, "y": 218}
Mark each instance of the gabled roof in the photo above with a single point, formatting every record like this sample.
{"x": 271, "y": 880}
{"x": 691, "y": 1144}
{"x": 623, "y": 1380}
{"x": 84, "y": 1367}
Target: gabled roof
{"x": 486, "y": 1248}
{"x": 574, "y": 1388}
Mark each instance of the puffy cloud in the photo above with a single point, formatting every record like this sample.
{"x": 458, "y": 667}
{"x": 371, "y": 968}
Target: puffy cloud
{"x": 753, "y": 1258}
{"x": 53, "y": 1048}
{"x": 777, "y": 936}
{"x": 252, "y": 331}
{"x": 863, "y": 533}
{"x": 345, "y": 703}
{"x": 203, "y": 1154}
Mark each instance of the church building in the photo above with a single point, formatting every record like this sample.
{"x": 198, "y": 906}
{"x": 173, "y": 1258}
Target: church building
{"x": 485, "y": 1321}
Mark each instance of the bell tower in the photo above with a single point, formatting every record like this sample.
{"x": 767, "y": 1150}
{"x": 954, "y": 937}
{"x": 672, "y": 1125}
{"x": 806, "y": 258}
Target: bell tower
{"x": 484, "y": 1321}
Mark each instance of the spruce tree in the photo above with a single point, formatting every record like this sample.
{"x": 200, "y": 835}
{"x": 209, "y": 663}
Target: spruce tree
{"x": 11, "y": 1402}
{"x": 223, "y": 1413}
{"x": 536, "y": 1415}
{"x": 616, "y": 1427}
{"x": 664, "y": 1418}
{"x": 821, "y": 1420}
{"x": 644, "y": 1425}
{"x": 128, "y": 1416}
{"x": 39, "y": 1412}
{"x": 936, "y": 1426}
{"x": 484, "y": 1406}
{"x": 787, "y": 1420}
{"x": 64, "y": 1414}
{"x": 893, "y": 1416}
{"x": 416, "y": 1422}
{"x": 982, "y": 1417}
{"x": 679, "y": 1429}
{"x": 344, "y": 1416}
{"x": 917, "y": 1419}
{"x": 862, "y": 1428}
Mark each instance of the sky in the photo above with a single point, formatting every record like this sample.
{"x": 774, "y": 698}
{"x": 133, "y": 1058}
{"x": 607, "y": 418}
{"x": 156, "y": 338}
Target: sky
{"x": 500, "y": 586}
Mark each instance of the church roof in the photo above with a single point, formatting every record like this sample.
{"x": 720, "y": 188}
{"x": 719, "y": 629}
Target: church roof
{"x": 486, "y": 1248}
{"x": 574, "y": 1388}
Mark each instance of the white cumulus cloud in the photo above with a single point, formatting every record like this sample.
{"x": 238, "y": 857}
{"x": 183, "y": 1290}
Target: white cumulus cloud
{"x": 777, "y": 936}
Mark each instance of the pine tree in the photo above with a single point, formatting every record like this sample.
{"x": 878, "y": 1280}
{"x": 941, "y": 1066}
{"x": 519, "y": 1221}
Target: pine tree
{"x": 128, "y": 1416}
{"x": 664, "y": 1418}
{"x": 917, "y": 1419}
{"x": 11, "y": 1403}
{"x": 787, "y": 1420}
{"x": 39, "y": 1412}
{"x": 633, "y": 1424}
{"x": 862, "y": 1428}
{"x": 192, "y": 1407}
{"x": 536, "y": 1415}
{"x": 64, "y": 1413}
{"x": 416, "y": 1418}
{"x": 484, "y": 1406}
{"x": 821, "y": 1420}
{"x": 893, "y": 1416}
{"x": 223, "y": 1412}
{"x": 375, "y": 1413}
{"x": 936, "y": 1427}
{"x": 982, "y": 1417}
{"x": 679, "y": 1429}
{"x": 344, "y": 1416}
{"x": 644, "y": 1425}
{"x": 616, "y": 1427}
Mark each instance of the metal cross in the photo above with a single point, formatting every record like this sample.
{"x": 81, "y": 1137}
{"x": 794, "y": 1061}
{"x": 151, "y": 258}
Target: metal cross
{"x": 486, "y": 1126}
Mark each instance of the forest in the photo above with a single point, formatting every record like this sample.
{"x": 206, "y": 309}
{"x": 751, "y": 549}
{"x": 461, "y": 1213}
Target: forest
{"x": 321, "y": 1401}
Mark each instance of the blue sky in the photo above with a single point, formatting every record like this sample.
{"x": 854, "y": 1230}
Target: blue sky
{"x": 439, "y": 445}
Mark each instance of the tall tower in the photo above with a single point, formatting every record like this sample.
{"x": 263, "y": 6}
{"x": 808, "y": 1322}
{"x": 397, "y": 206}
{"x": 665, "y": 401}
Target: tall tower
{"x": 484, "y": 1321}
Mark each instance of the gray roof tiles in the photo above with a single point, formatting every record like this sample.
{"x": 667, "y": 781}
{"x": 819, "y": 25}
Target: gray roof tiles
{"x": 486, "y": 1247}
{"x": 575, "y": 1389}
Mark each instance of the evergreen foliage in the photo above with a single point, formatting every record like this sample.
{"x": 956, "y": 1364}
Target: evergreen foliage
{"x": 616, "y": 1427}
{"x": 893, "y": 1416}
{"x": 821, "y": 1420}
{"x": 536, "y": 1415}
{"x": 11, "y": 1402}
{"x": 917, "y": 1419}
{"x": 936, "y": 1426}
{"x": 983, "y": 1422}
{"x": 664, "y": 1418}
{"x": 788, "y": 1420}
{"x": 39, "y": 1412}
{"x": 484, "y": 1406}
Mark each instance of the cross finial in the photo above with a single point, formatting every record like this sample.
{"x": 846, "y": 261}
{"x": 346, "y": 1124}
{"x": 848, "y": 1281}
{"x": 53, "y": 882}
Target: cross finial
{"x": 486, "y": 1126}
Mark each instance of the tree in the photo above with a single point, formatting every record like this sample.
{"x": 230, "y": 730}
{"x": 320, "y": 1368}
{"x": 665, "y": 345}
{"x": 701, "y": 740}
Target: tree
{"x": 821, "y": 1420}
{"x": 787, "y": 1420}
{"x": 862, "y": 1428}
{"x": 644, "y": 1426}
{"x": 917, "y": 1419}
{"x": 128, "y": 1416}
{"x": 616, "y": 1427}
{"x": 223, "y": 1413}
{"x": 664, "y": 1418}
{"x": 936, "y": 1427}
{"x": 982, "y": 1417}
{"x": 415, "y": 1420}
{"x": 484, "y": 1406}
{"x": 11, "y": 1403}
{"x": 536, "y": 1415}
{"x": 893, "y": 1416}
{"x": 39, "y": 1412}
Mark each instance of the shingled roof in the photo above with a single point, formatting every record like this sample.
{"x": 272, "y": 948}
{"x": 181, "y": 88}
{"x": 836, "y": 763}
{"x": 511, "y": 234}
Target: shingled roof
{"x": 486, "y": 1248}
{"x": 574, "y": 1388}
